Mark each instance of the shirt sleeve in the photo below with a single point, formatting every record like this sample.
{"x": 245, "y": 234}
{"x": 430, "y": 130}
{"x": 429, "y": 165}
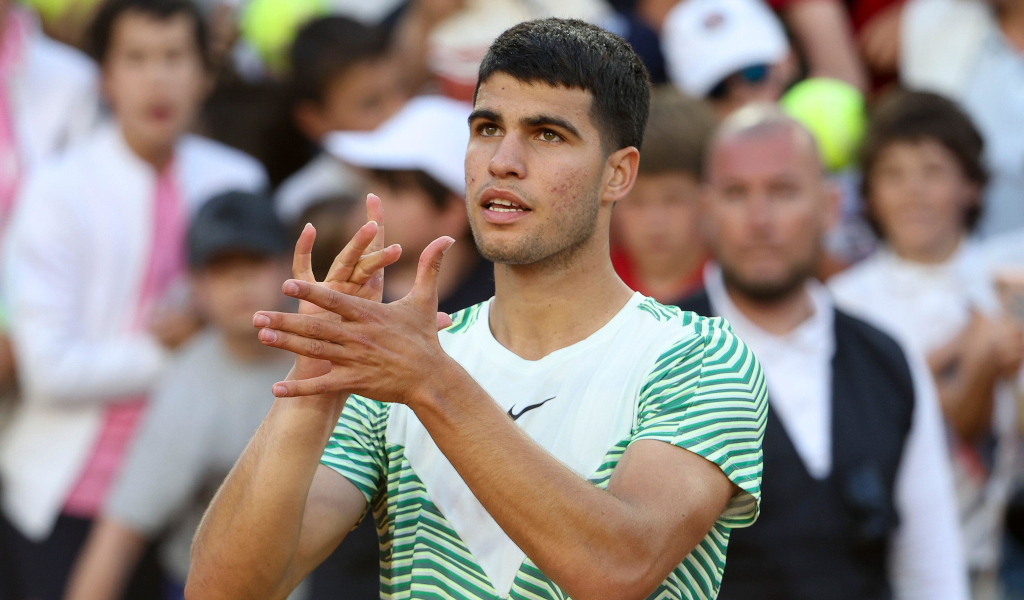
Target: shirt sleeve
{"x": 168, "y": 461}
{"x": 356, "y": 449}
{"x": 707, "y": 394}
{"x": 927, "y": 560}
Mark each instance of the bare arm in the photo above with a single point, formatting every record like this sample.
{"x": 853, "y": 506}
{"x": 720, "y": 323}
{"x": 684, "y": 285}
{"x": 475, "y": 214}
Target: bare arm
{"x": 106, "y": 563}
{"x": 618, "y": 543}
{"x": 823, "y": 30}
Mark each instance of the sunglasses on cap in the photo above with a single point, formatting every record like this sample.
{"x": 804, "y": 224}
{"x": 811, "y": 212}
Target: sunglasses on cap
{"x": 754, "y": 74}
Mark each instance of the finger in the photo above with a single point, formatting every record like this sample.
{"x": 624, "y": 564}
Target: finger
{"x": 375, "y": 213}
{"x": 371, "y": 264}
{"x": 444, "y": 321}
{"x": 349, "y": 307}
{"x": 325, "y": 384}
{"x": 306, "y": 326}
{"x": 425, "y": 287}
{"x": 296, "y": 344}
{"x": 302, "y": 260}
{"x": 349, "y": 256}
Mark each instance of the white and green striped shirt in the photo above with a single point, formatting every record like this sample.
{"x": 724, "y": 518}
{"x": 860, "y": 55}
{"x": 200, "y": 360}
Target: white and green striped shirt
{"x": 652, "y": 372}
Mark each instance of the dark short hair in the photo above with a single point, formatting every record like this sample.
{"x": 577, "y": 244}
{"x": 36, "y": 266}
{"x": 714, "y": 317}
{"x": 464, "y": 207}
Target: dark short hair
{"x": 678, "y": 132}
{"x": 98, "y": 37}
{"x": 916, "y": 117}
{"x": 576, "y": 55}
{"x": 325, "y": 49}
{"x": 415, "y": 179}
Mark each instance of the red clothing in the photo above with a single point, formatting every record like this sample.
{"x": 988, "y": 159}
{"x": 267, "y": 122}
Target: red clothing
{"x": 689, "y": 284}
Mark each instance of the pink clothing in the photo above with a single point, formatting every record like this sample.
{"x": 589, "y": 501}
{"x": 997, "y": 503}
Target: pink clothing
{"x": 16, "y": 31}
{"x": 166, "y": 265}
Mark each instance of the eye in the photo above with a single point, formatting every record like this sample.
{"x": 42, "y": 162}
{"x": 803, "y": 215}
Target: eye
{"x": 488, "y": 130}
{"x": 549, "y": 136}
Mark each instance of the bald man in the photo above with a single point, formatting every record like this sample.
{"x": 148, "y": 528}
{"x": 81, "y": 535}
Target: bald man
{"x": 859, "y": 503}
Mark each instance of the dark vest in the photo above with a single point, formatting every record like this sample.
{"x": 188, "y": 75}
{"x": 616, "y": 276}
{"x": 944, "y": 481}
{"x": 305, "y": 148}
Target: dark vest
{"x": 829, "y": 539}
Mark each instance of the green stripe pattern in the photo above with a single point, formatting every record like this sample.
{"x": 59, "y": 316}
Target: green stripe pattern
{"x": 706, "y": 394}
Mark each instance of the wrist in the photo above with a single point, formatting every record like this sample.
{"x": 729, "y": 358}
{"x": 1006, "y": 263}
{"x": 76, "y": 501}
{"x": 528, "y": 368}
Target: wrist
{"x": 440, "y": 382}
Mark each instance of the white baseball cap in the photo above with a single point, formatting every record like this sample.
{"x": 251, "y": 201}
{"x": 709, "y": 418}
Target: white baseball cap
{"x": 429, "y": 134}
{"x": 706, "y": 41}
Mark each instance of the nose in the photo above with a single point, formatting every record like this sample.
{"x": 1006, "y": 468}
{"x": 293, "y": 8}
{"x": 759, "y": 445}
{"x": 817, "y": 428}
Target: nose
{"x": 507, "y": 161}
{"x": 759, "y": 212}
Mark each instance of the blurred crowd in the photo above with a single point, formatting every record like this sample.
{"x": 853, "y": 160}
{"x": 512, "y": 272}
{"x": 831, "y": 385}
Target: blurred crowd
{"x": 158, "y": 159}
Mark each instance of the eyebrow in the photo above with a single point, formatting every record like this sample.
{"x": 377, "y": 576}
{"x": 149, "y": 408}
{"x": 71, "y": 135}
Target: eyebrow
{"x": 536, "y": 121}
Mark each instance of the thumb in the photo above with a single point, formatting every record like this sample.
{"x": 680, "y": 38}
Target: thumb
{"x": 425, "y": 287}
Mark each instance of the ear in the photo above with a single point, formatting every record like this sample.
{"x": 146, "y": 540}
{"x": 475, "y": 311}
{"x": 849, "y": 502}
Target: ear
{"x": 308, "y": 116}
{"x": 621, "y": 168}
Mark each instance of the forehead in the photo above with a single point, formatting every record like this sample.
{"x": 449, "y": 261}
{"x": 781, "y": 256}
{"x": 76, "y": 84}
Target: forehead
{"x": 134, "y": 27}
{"x": 513, "y": 100}
{"x": 774, "y": 153}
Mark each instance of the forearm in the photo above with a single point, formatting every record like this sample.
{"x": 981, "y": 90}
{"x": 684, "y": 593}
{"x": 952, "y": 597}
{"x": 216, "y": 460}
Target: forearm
{"x": 967, "y": 398}
{"x": 249, "y": 536}
{"x": 589, "y": 542}
{"x": 106, "y": 563}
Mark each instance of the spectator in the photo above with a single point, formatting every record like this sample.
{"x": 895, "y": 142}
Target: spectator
{"x": 342, "y": 79}
{"x": 973, "y": 52}
{"x": 861, "y": 499}
{"x": 414, "y": 162}
{"x": 48, "y": 98}
{"x": 923, "y": 178}
{"x": 206, "y": 406}
{"x": 824, "y": 34}
{"x": 731, "y": 52}
{"x": 660, "y": 251}
{"x": 94, "y": 256}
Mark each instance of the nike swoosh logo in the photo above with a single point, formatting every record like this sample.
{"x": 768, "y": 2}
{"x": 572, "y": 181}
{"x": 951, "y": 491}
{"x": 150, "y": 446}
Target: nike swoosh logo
{"x": 515, "y": 417}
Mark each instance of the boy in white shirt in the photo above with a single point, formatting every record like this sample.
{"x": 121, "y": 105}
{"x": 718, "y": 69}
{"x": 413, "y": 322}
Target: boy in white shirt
{"x": 929, "y": 286}
{"x": 93, "y": 270}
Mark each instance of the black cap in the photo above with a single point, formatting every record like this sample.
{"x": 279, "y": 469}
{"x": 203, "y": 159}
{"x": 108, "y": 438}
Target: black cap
{"x": 235, "y": 222}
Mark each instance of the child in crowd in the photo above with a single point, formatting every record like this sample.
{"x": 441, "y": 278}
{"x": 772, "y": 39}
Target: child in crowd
{"x": 342, "y": 79}
{"x": 414, "y": 163}
{"x": 660, "y": 252}
{"x": 94, "y": 260}
{"x": 206, "y": 406}
{"x": 929, "y": 285}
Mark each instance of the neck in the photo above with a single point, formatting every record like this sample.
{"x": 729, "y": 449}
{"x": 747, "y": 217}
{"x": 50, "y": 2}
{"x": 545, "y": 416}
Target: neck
{"x": 665, "y": 279}
{"x": 459, "y": 261}
{"x": 540, "y": 308}
{"x": 247, "y": 347}
{"x": 935, "y": 254}
{"x": 778, "y": 317}
{"x": 157, "y": 155}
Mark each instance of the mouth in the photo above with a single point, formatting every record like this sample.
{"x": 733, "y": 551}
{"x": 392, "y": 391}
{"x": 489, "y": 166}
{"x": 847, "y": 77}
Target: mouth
{"x": 502, "y": 207}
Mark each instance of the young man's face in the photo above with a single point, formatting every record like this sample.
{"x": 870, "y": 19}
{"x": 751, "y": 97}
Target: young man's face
{"x": 360, "y": 99}
{"x": 154, "y": 76}
{"x": 657, "y": 222}
{"x": 919, "y": 194}
{"x": 231, "y": 288}
{"x": 535, "y": 146}
{"x": 767, "y": 208}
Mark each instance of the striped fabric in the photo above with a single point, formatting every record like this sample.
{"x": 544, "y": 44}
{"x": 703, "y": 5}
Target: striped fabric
{"x": 705, "y": 394}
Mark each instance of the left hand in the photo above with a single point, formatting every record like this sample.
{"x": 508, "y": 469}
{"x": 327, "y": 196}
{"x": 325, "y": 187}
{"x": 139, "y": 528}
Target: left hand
{"x": 387, "y": 352}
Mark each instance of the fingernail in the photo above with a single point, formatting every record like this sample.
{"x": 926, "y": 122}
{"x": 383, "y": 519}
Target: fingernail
{"x": 291, "y": 288}
{"x": 279, "y": 390}
{"x": 268, "y": 335}
{"x": 261, "y": 320}
{"x": 448, "y": 247}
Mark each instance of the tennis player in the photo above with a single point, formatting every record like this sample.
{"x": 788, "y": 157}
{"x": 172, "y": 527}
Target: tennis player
{"x": 567, "y": 438}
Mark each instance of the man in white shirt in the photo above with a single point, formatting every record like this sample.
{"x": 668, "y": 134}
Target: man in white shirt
{"x": 92, "y": 277}
{"x": 862, "y": 502}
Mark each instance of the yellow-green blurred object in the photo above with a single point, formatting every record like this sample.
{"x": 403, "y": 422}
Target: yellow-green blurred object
{"x": 51, "y": 10}
{"x": 271, "y": 25}
{"x": 834, "y": 112}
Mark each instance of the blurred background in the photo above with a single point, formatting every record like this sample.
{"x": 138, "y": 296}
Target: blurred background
{"x": 159, "y": 157}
